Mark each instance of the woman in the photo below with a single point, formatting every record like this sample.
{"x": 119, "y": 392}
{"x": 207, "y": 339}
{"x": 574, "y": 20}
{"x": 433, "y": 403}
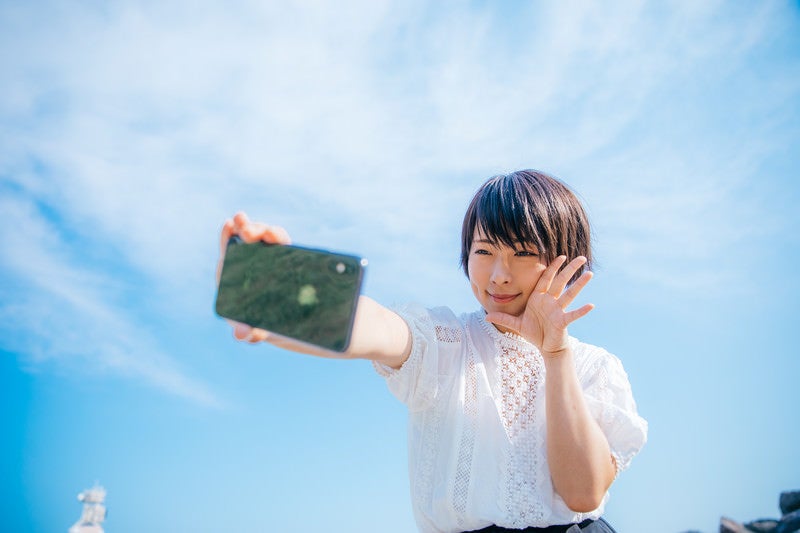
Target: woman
{"x": 513, "y": 424}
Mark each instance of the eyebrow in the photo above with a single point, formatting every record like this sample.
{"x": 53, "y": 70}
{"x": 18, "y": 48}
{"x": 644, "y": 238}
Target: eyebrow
{"x": 517, "y": 244}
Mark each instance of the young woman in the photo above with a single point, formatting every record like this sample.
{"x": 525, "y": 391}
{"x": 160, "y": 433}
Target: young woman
{"x": 513, "y": 424}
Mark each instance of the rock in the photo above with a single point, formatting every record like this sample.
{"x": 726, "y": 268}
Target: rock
{"x": 726, "y": 525}
{"x": 764, "y": 525}
{"x": 789, "y": 501}
{"x": 790, "y": 523}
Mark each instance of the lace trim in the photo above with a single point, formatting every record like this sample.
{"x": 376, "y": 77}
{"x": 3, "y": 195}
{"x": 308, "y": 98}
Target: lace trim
{"x": 520, "y": 372}
{"x": 430, "y": 421}
{"x": 445, "y": 334}
{"x": 423, "y": 482}
{"x": 467, "y": 443}
{"x": 504, "y": 338}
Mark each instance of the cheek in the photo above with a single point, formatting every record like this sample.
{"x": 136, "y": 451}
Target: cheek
{"x": 475, "y": 280}
{"x": 533, "y": 274}
{"x": 471, "y": 271}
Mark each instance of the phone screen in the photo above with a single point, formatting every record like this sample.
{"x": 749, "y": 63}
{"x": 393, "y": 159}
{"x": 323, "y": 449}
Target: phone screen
{"x": 306, "y": 294}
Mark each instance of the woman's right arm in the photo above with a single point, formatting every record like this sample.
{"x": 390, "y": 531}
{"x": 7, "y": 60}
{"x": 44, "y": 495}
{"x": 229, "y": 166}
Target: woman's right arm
{"x": 379, "y": 334}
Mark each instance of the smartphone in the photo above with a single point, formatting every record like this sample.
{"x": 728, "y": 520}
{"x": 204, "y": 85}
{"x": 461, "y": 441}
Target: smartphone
{"x": 307, "y": 294}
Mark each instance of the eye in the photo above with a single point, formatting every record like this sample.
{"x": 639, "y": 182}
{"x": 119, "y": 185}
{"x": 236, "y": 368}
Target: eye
{"x": 481, "y": 251}
{"x": 526, "y": 253}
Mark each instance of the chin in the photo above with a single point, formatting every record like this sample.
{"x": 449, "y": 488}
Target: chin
{"x": 494, "y": 308}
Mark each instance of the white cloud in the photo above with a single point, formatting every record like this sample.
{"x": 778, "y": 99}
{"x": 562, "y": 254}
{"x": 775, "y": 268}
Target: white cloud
{"x": 69, "y": 313}
{"x": 366, "y": 125}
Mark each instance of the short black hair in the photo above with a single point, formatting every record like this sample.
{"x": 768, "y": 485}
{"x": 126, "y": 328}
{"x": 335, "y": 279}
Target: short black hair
{"x": 530, "y": 207}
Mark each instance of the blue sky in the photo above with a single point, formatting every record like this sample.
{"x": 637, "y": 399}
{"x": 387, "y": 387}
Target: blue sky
{"x": 130, "y": 130}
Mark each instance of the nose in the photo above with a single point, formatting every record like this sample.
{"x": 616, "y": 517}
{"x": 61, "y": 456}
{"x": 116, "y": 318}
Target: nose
{"x": 501, "y": 273}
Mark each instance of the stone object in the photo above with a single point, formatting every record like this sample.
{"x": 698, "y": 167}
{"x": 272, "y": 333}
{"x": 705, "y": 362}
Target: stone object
{"x": 789, "y": 504}
{"x": 789, "y": 501}
{"x": 728, "y": 525}
{"x": 764, "y": 525}
{"x": 790, "y": 523}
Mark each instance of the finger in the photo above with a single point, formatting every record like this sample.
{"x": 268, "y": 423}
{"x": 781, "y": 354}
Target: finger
{"x": 574, "y": 289}
{"x": 244, "y": 228}
{"x": 550, "y": 272}
{"x": 258, "y": 335}
{"x": 225, "y": 235}
{"x": 256, "y": 231}
{"x": 572, "y": 316}
{"x": 563, "y": 277}
{"x": 561, "y": 281}
{"x": 252, "y": 231}
{"x": 243, "y": 332}
{"x": 514, "y": 323}
{"x": 277, "y": 235}
{"x": 240, "y": 220}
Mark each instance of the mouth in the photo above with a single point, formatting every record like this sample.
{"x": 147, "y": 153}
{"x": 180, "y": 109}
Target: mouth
{"x": 502, "y": 298}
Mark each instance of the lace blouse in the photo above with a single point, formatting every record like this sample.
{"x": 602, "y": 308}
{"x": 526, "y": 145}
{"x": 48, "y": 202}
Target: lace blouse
{"x": 476, "y": 432}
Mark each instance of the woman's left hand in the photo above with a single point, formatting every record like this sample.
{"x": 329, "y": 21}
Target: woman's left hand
{"x": 545, "y": 319}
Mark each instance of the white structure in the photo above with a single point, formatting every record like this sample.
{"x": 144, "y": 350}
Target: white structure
{"x": 94, "y": 512}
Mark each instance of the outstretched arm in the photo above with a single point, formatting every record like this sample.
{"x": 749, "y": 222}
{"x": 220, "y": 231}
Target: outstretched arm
{"x": 577, "y": 450}
{"x": 378, "y": 333}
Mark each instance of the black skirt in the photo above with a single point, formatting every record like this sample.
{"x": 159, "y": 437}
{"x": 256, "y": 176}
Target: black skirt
{"x": 589, "y": 526}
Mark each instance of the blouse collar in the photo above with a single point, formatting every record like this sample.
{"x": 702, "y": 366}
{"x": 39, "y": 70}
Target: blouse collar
{"x": 504, "y": 339}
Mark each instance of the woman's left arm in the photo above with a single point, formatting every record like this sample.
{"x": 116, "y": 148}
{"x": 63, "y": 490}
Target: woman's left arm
{"x": 578, "y": 452}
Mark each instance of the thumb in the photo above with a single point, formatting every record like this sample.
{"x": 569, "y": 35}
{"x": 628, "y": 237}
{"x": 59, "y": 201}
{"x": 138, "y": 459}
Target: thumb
{"x": 514, "y": 323}
{"x": 240, "y": 331}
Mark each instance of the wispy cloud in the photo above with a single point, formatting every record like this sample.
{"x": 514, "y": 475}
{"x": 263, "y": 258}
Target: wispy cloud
{"x": 144, "y": 125}
{"x": 65, "y": 312}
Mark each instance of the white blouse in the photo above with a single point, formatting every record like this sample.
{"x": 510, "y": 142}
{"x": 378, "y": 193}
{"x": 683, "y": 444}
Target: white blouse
{"x": 476, "y": 433}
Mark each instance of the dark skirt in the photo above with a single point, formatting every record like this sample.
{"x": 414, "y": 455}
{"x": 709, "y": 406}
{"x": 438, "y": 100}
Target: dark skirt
{"x": 590, "y": 526}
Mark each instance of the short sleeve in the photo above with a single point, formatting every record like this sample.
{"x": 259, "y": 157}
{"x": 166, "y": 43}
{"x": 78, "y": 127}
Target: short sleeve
{"x": 416, "y": 382}
{"x": 610, "y": 400}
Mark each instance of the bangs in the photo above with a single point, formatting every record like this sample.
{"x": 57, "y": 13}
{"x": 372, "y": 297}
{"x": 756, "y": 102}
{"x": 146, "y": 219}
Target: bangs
{"x": 528, "y": 208}
{"x": 504, "y": 214}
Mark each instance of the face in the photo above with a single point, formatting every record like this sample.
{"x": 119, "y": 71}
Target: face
{"x": 502, "y": 277}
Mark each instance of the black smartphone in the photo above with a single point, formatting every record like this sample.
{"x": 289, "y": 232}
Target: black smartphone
{"x": 307, "y": 294}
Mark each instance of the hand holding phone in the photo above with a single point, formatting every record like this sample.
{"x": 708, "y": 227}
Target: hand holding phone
{"x": 306, "y": 294}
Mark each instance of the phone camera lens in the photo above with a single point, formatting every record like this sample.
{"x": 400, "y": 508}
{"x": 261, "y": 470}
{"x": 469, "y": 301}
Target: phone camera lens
{"x": 340, "y": 267}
